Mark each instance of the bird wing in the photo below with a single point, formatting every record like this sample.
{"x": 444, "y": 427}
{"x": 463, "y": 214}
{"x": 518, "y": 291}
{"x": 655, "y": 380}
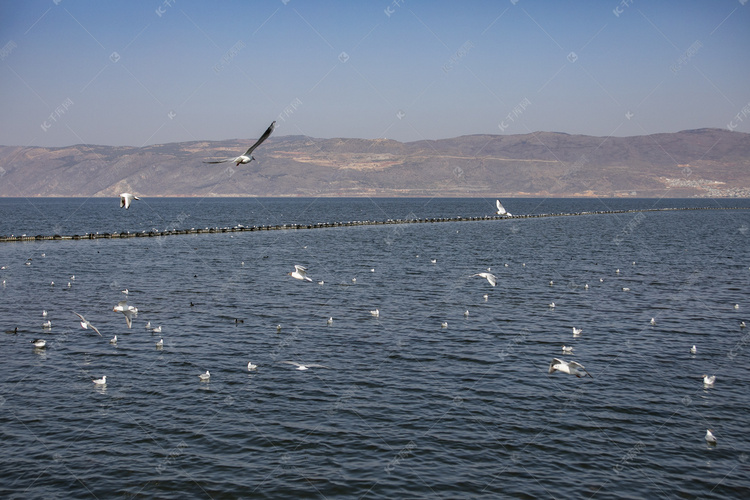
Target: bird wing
{"x": 290, "y": 363}
{"x": 315, "y": 365}
{"x": 94, "y": 328}
{"x": 492, "y": 279}
{"x": 555, "y": 361}
{"x": 500, "y": 208}
{"x": 580, "y": 367}
{"x": 263, "y": 137}
{"x": 128, "y": 318}
{"x": 219, "y": 161}
{"x": 122, "y": 201}
{"x": 82, "y": 318}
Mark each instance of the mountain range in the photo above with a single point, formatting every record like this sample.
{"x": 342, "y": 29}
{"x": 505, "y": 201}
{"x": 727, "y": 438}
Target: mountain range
{"x": 703, "y": 162}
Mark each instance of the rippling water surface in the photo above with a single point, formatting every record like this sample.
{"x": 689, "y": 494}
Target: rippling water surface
{"x": 406, "y": 407}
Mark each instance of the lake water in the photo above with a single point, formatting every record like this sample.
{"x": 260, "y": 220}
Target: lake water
{"x": 405, "y": 407}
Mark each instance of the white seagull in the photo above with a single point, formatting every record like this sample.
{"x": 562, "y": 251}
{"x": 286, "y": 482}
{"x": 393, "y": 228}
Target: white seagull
{"x": 572, "y": 368}
{"x": 375, "y": 313}
{"x": 251, "y": 367}
{"x": 130, "y": 312}
{"x": 501, "y": 209}
{"x": 653, "y": 321}
{"x": 577, "y": 331}
{"x": 693, "y": 350}
{"x": 488, "y": 276}
{"x": 710, "y": 438}
{"x": 567, "y": 349}
{"x": 114, "y": 340}
{"x": 300, "y": 366}
{"x": 299, "y": 273}
{"x": 444, "y": 324}
{"x": 160, "y": 343}
{"x": 126, "y": 199}
{"x": 157, "y": 329}
{"x": 39, "y": 342}
{"x": 85, "y": 323}
{"x": 330, "y": 321}
{"x": 205, "y": 376}
{"x": 709, "y": 380}
{"x": 100, "y": 381}
{"x": 47, "y": 324}
{"x": 248, "y": 156}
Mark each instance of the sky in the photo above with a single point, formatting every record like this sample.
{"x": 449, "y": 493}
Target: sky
{"x": 127, "y": 73}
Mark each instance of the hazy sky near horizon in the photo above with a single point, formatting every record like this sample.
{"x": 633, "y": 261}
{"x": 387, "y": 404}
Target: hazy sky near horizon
{"x": 151, "y": 72}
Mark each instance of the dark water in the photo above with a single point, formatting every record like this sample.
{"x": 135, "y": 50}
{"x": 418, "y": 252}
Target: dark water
{"x": 407, "y": 408}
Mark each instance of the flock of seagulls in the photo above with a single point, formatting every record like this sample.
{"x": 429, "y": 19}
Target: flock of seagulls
{"x": 300, "y": 273}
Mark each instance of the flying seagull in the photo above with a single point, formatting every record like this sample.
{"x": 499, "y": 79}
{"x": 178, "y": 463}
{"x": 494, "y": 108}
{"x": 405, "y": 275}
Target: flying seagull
{"x": 300, "y": 273}
{"x": 501, "y": 209}
{"x": 300, "y": 366}
{"x": 248, "y": 156}
{"x": 129, "y": 311}
{"x": 85, "y": 323}
{"x": 126, "y": 199}
{"x": 573, "y": 368}
{"x": 488, "y": 276}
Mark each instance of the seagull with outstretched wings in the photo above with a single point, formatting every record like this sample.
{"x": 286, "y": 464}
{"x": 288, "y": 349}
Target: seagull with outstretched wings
{"x": 248, "y": 156}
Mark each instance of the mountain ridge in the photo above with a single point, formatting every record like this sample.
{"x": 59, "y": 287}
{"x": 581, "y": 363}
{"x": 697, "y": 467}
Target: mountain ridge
{"x": 696, "y": 162}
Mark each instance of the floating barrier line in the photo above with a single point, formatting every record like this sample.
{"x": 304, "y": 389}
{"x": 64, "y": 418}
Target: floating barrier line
{"x": 241, "y": 228}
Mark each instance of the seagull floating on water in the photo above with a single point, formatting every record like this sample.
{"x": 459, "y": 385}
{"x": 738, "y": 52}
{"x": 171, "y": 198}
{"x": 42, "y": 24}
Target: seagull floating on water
{"x": 375, "y": 313}
{"x": 488, "y": 276}
{"x": 552, "y": 305}
{"x": 693, "y": 350}
{"x": 205, "y": 376}
{"x": 157, "y": 329}
{"x": 466, "y": 313}
{"x": 567, "y": 350}
{"x": 160, "y": 343}
{"x": 100, "y": 381}
{"x": 577, "y": 331}
{"x": 710, "y": 438}
{"x": 39, "y": 342}
{"x": 47, "y": 324}
{"x": 300, "y": 366}
{"x": 299, "y": 273}
{"x": 709, "y": 380}
{"x": 572, "y": 368}
{"x": 85, "y": 324}
{"x": 251, "y": 367}
{"x": 126, "y": 199}
{"x": 653, "y": 321}
{"x": 247, "y": 157}
{"x": 330, "y": 321}
{"x": 444, "y": 324}
{"x": 114, "y": 340}
{"x": 44, "y": 313}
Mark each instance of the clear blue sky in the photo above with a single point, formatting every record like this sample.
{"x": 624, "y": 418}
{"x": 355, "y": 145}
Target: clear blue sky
{"x": 151, "y": 72}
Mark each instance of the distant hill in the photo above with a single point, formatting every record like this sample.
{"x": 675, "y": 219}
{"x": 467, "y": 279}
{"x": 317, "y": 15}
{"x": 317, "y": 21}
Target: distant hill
{"x": 704, "y": 162}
